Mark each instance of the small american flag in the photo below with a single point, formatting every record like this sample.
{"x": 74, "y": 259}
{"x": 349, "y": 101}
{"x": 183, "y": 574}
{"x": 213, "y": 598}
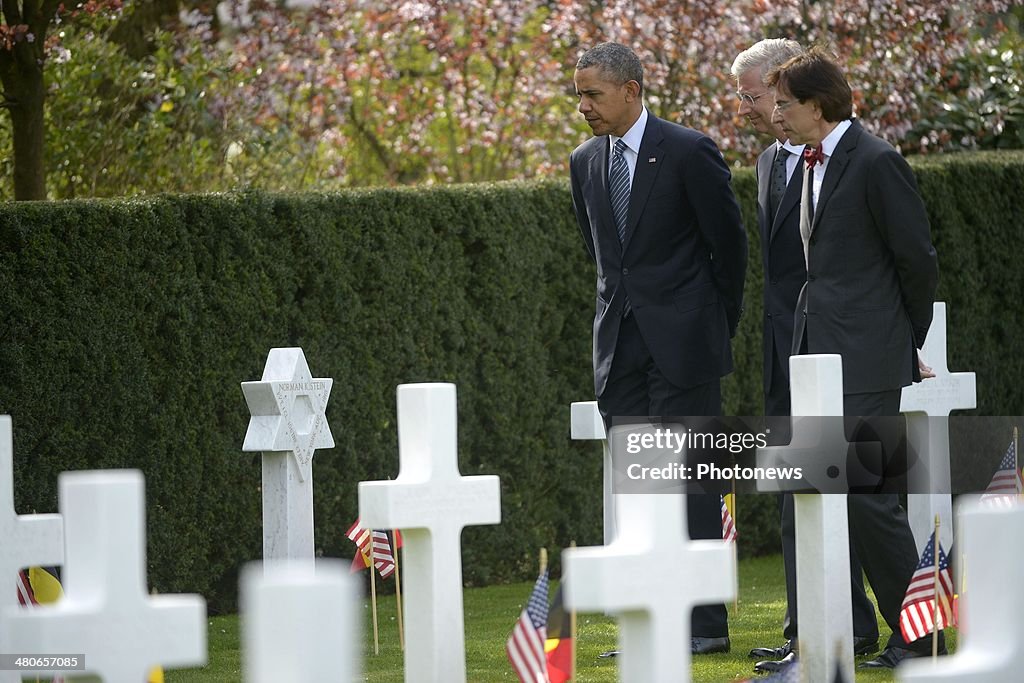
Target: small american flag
{"x": 26, "y": 598}
{"x": 525, "y": 646}
{"x": 1006, "y": 482}
{"x": 728, "y": 526}
{"x": 919, "y": 603}
{"x": 383, "y": 559}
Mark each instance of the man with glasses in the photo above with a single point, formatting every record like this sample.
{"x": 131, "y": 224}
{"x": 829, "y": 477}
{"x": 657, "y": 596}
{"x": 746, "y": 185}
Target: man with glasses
{"x": 871, "y": 278}
{"x": 778, "y": 217}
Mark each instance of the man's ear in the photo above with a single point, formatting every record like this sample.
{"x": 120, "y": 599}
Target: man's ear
{"x": 632, "y": 90}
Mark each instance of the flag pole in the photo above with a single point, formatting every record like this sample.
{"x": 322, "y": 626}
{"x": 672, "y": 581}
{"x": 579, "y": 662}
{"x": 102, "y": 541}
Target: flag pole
{"x": 572, "y": 631}
{"x": 1016, "y": 462}
{"x": 963, "y": 577}
{"x": 736, "y": 549}
{"x": 935, "y": 593}
{"x": 398, "y": 590}
{"x": 373, "y": 599}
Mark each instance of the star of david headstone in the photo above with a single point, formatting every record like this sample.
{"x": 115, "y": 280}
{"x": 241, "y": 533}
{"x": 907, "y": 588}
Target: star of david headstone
{"x": 288, "y": 425}
{"x": 288, "y": 409}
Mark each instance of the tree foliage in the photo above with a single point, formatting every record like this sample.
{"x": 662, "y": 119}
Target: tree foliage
{"x": 250, "y": 93}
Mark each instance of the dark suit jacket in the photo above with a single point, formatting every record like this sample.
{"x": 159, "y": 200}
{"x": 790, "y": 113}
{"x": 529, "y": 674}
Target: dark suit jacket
{"x": 782, "y": 254}
{"x": 872, "y": 269}
{"x": 683, "y": 261}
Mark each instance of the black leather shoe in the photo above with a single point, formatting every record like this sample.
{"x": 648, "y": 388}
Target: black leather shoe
{"x": 609, "y": 653}
{"x": 865, "y": 645}
{"x": 774, "y": 666}
{"x": 707, "y": 646}
{"x": 773, "y": 652}
{"x": 892, "y": 656}
{"x": 861, "y": 646}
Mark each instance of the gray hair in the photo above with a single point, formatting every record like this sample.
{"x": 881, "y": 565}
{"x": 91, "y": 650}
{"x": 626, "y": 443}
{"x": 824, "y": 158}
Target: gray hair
{"x": 765, "y": 54}
{"x": 615, "y": 61}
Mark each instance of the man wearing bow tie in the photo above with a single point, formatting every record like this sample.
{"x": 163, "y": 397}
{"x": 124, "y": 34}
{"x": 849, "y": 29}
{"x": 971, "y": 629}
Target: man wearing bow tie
{"x": 871, "y": 278}
{"x": 779, "y": 175}
{"x": 661, "y": 223}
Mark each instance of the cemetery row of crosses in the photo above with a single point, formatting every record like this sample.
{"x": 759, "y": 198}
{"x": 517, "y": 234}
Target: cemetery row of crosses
{"x": 299, "y": 617}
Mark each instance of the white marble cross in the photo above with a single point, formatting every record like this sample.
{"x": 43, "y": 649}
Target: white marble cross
{"x": 431, "y": 502}
{"x": 586, "y": 424}
{"x": 106, "y": 613}
{"x": 650, "y": 577}
{"x": 991, "y": 610}
{"x": 288, "y": 425}
{"x": 824, "y": 609}
{"x": 27, "y": 540}
{"x": 927, "y": 406}
{"x": 299, "y": 622}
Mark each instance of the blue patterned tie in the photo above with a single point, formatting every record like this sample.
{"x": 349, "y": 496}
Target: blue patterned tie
{"x": 778, "y": 182}
{"x": 618, "y": 188}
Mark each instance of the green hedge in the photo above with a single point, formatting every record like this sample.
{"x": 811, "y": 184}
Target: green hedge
{"x": 126, "y": 327}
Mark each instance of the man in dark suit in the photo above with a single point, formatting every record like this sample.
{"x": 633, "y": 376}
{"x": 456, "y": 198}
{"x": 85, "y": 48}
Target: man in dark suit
{"x": 778, "y": 218}
{"x": 660, "y": 220}
{"x": 871, "y": 278}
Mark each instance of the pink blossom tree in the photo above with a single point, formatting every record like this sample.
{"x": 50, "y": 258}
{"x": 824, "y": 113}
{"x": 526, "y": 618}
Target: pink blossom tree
{"x": 358, "y": 92}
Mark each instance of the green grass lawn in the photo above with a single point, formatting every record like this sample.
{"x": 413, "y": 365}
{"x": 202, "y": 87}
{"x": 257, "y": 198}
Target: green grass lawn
{"x": 491, "y": 612}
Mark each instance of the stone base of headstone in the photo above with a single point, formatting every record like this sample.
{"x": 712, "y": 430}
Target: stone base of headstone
{"x": 300, "y": 623}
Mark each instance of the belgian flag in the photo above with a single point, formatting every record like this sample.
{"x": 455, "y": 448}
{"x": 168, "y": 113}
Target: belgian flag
{"x": 45, "y": 584}
{"x": 558, "y": 647}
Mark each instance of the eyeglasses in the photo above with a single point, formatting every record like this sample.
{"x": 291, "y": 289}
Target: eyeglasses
{"x": 748, "y": 98}
{"x": 784, "y": 105}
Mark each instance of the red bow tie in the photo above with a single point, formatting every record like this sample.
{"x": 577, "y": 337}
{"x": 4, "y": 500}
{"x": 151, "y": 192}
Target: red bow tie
{"x": 814, "y": 156}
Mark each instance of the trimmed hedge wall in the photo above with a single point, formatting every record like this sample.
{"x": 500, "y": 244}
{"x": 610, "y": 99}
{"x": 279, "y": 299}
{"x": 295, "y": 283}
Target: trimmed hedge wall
{"x": 126, "y": 327}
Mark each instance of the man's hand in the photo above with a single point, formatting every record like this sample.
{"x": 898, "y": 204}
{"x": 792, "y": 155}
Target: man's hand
{"x": 926, "y": 370}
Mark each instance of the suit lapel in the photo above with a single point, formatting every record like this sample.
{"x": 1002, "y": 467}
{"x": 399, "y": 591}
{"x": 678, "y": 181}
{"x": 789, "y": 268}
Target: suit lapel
{"x": 764, "y": 181}
{"x": 649, "y": 160}
{"x": 790, "y": 199}
{"x": 836, "y": 167}
{"x": 598, "y": 170}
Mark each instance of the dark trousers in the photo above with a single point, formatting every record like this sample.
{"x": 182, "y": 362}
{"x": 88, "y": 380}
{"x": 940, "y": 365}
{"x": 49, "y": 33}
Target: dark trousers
{"x": 865, "y": 625}
{"x": 636, "y": 388}
{"x": 879, "y": 529}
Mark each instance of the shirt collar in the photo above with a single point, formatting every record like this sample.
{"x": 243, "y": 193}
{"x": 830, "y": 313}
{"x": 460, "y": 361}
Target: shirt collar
{"x": 831, "y": 141}
{"x": 789, "y": 147}
{"x": 635, "y": 135}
